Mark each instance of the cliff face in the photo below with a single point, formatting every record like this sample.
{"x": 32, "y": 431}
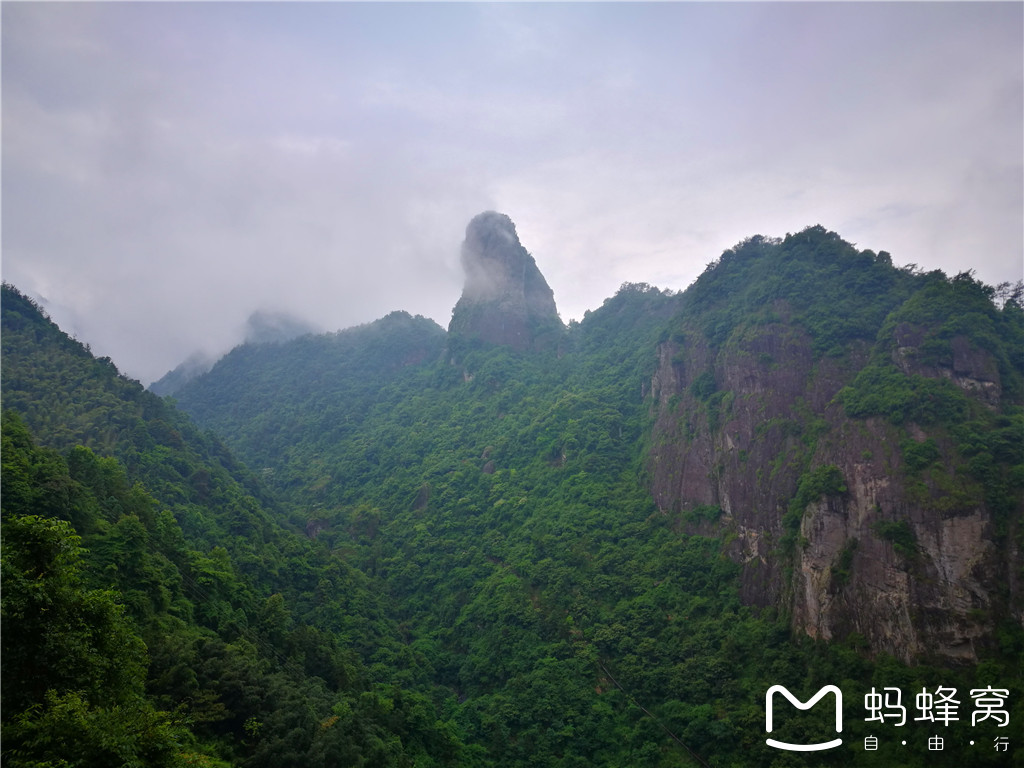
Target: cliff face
{"x": 506, "y": 299}
{"x": 871, "y": 525}
{"x": 932, "y": 589}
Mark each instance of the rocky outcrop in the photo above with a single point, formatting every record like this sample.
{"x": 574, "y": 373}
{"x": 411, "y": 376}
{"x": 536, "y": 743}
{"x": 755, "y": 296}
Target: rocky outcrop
{"x": 970, "y": 368}
{"x": 911, "y": 567}
{"x": 506, "y": 299}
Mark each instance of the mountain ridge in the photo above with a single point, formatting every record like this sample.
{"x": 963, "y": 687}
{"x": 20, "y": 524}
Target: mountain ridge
{"x": 773, "y": 337}
{"x": 477, "y": 554}
{"x": 776, "y": 390}
{"x": 121, "y": 518}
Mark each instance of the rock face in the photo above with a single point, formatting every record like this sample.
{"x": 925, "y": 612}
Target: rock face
{"x": 506, "y": 299}
{"x": 913, "y": 568}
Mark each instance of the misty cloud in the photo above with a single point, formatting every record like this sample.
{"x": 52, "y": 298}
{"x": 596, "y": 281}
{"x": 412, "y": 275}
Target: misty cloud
{"x": 267, "y": 327}
{"x": 170, "y": 168}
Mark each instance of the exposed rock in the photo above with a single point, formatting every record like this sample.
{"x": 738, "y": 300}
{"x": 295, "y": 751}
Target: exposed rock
{"x": 743, "y": 444}
{"x": 972, "y": 369}
{"x": 506, "y": 299}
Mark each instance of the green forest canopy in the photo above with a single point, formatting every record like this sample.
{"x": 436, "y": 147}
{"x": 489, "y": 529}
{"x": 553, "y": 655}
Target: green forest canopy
{"x": 439, "y": 553}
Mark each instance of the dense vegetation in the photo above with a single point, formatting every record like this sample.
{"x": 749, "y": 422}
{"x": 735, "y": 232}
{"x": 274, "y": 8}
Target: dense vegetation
{"x": 909, "y": 343}
{"x": 447, "y": 554}
{"x": 184, "y": 623}
{"x": 839, "y": 294}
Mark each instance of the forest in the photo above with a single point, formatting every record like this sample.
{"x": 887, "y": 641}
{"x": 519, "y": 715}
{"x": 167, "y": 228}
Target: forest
{"x": 399, "y": 546}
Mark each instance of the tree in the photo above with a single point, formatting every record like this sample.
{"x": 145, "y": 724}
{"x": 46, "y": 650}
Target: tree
{"x": 74, "y": 668}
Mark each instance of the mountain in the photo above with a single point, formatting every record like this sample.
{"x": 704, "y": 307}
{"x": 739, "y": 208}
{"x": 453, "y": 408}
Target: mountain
{"x": 851, "y": 424}
{"x": 262, "y": 327}
{"x": 194, "y": 365}
{"x": 597, "y": 544}
{"x": 506, "y": 299}
{"x": 857, "y": 426}
{"x": 158, "y": 609}
{"x": 311, "y": 392}
{"x": 266, "y": 327}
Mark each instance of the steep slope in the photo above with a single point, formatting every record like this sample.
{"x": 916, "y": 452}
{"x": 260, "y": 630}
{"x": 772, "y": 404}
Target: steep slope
{"x": 238, "y": 639}
{"x": 504, "y": 503}
{"x": 281, "y": 405}
{"x": 858, "y": 427}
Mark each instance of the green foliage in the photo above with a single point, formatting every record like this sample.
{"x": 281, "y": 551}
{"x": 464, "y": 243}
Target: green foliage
{"x": 899, "y": 533}
{"x": 69, "y": 730}
{"x": 74, "y": 666}
{"x": 883, "y": 390}
{"x": 450, "y": 556}
{"x": 704, "y": 385}
{"x": 838, "y": 294}
{"x": 844, "y": 563}
{"x": 943, "y": 314}
{"x": 60, "y": 634}
{"x": 919, "y": 455}
{"x": 822, "y": 481}
{"x": 702, "y": 513}
{"x": 336, "y": 392}
{"x": 159, "y": 541}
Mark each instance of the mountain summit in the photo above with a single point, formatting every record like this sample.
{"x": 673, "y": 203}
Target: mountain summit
{"x": 506, "y": 299}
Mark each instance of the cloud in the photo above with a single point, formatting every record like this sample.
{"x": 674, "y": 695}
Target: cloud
{"x": 138, "y": 220}
{"x": 170, "y": 168}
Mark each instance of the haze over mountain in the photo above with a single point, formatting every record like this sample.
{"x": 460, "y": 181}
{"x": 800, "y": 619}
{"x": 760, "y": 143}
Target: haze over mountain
{"x": 518, "y": 543}
{"x": 775, "y": 342}
{"x": 262, "y": 327}
{"x": 168, "y": 168}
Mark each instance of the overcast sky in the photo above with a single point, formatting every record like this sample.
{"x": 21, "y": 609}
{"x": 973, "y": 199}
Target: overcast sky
{"x": 170, "y": 168}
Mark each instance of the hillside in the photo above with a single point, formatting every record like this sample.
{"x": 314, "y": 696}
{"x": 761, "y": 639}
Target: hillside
{"x": 336, "y": 377}
{"x": 598, "y": 549}
{"x": 787, "y": 362}
{"x": 861, "y": 487}
{"x": 157, "y": 611}
{"x": 858, "y": 426}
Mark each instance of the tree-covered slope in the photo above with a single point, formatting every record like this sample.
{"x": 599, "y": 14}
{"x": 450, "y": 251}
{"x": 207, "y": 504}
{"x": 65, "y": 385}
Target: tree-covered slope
{"x": 549, "y": 544}
{"x": 155, "y": 608}
{"x": 859, "y": 430}
{"x": 296, "y": 398}
{"x": 502, "y": 500}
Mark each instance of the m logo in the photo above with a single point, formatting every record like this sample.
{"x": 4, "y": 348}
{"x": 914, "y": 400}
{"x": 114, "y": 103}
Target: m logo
{"x": 800, "y": 705}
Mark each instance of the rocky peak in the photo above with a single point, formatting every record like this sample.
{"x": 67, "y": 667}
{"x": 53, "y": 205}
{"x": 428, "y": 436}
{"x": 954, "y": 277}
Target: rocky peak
{"x": 506, "y": 299}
